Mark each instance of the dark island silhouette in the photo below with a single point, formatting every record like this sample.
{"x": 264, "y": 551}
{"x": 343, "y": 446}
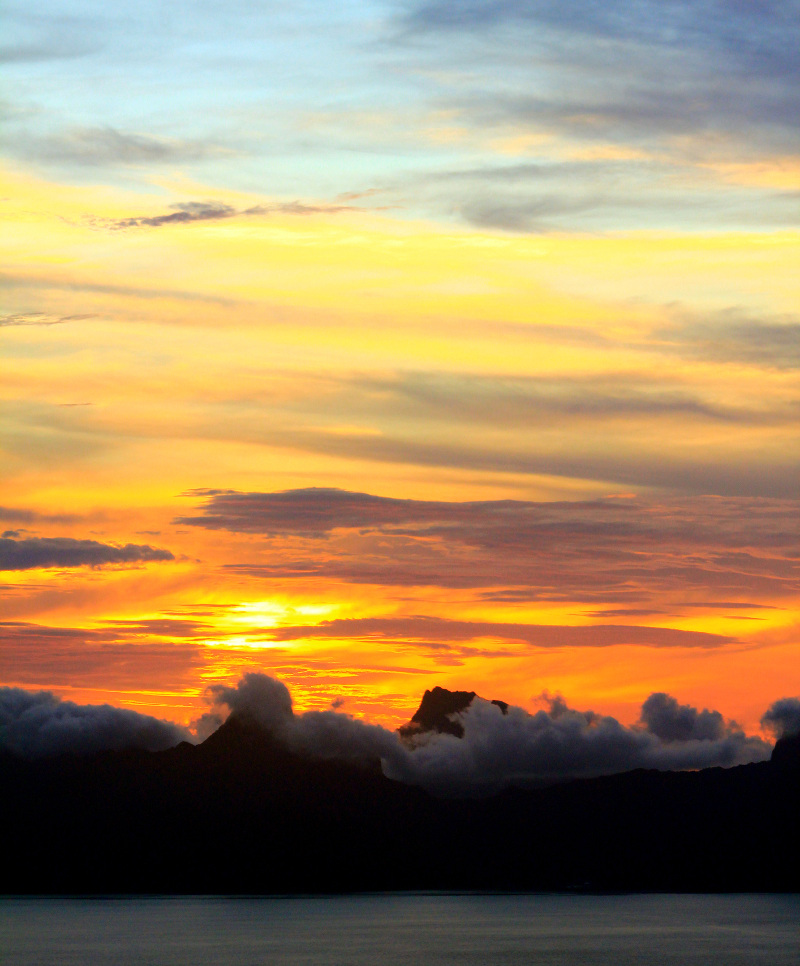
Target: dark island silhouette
{"x": 242, "y": 812}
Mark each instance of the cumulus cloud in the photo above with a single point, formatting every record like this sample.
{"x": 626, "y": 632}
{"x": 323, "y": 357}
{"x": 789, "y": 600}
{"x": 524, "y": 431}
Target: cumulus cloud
{"x": 267, "y": 702}
{"x": 518, "y": 748}
{"x": 68, "y": 552}
{"x": 503, "y": 747}
{"x": 258, "y": 698}
{"x": 663, "y": 717}
{"x": 36, "y": 724}
{"x": 783, "y": 718}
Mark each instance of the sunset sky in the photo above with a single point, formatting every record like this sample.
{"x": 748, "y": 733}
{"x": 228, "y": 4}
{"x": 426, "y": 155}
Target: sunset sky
{"x": 384, "y": 345}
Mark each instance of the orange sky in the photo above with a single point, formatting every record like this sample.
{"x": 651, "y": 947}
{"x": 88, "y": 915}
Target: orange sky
{"x": 357, "y": 353}
{"x": 449, "y": 392}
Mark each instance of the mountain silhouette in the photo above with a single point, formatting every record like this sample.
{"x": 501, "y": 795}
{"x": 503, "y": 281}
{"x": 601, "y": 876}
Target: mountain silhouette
{"x": 244, "y": 813}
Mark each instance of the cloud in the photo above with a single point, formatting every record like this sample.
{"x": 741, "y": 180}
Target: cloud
{"x": 497, "y": 749}
{"x": 657, "y": 87}
{"x": 663, "y": 717}
{"x": 102, "y": 146}
{"x": 435, "y": 631}
{"x": 24, "y": 515}
{"x": 783, "y": 718}
{"x": 618, "y": 429}
{"x": 36, "y": 34}
{"x": 68, "y": 552}
{"x": 733, "y": 337}
{"x": 581, "y": 192}
{"x": 314, "y": 511}
{"x": 520, "y": 401}
{"x": 325, "y": 734}
{"x": 161, "y": 627}
{"x": 664, "y": 67}
{"x": 696, "y": 551}
{"x": 50, "y": 49}
{"x": 122, "y": 659}
{"x": 751, "y": 32}
{"x": 38, "y": 724}
{"x": 65, "y": 283}
{"x": 190, "y": 211}
{"x": 630, "y": 461}
{"x": 181, "y": 214}
{"x": 258, "y": 698}
{"x": 39, "y": 318}
{"x": 520, "y": 748}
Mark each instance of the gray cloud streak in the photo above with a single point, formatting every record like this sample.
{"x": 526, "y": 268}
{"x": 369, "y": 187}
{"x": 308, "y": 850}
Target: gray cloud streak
{"x": 104, "y": 146}
{"x": 24, "y": 515}
{"x": 67, "y": 552}
{"x": 186, "y": 212}
{"x": 734, "y": 337}
{"x": 39, "y": 318}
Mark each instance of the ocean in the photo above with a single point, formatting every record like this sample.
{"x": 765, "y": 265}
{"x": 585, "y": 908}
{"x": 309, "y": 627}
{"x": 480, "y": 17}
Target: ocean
{"x": 420, "y": 929}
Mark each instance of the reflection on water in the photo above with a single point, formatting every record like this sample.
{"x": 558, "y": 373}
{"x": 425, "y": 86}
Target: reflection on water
{"x": 402, "y": 930}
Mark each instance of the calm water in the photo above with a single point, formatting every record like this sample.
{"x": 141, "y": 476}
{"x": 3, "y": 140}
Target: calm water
{"x": 403, "y": 930}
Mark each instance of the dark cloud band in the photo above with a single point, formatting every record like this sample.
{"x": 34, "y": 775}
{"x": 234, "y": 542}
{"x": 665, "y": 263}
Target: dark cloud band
{"x": 716, "y": 552}
{"x": 68, "y": 552}
{"x": 38, "y": 724}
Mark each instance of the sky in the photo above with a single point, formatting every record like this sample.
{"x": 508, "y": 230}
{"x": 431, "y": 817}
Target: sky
{"x": 382, "y": 345}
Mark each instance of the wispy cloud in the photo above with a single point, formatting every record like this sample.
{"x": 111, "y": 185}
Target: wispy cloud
{"x": 527, "y": 400}
{"x": 436, "y": 631}
{"x": 190, "y": 211}
{"x": 67, "y": 283}
{"x": 25, "y": 515}
{"x": 107, "y": 146}
{"x": 713, "y": 57}
{"x": 39, "y": 318}
{"x": 733, "y": 336}
{"x": 582, "y": 193}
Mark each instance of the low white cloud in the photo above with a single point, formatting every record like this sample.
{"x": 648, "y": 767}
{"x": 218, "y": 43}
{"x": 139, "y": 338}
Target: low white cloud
{"x": 37, "y": 724}
{"x": 501, "y": 748}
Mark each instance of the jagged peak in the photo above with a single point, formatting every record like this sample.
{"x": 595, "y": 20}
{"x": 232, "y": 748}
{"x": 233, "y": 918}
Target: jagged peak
{"x": 436, "y": 709}
{"x": 787, "y": 751}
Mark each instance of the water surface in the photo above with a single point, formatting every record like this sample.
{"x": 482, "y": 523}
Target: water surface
{"x": 403, "y": 930}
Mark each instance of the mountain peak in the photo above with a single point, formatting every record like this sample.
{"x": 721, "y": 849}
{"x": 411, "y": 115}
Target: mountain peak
{"x": 436, "y": 710}
{"x": 786, "y": 752}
